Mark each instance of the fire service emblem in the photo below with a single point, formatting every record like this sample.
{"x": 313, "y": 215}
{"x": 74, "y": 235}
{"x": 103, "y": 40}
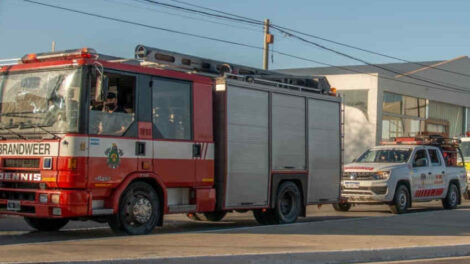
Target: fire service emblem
{"x": 114, "y": 156}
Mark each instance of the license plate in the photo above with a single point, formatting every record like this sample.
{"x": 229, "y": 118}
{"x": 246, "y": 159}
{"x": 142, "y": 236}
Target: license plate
{"x": 351, "y": 185}
{"x": 13, "y": 205}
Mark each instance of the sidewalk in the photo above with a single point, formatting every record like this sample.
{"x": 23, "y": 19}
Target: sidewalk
{"x": 416, "y": 235}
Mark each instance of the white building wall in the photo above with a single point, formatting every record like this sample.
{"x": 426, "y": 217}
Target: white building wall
{"x": 360, "y": 130}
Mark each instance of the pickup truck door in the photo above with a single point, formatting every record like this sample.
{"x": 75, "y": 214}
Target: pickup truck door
{"x": 420, "y": 174}
{"x": 437, "y": 180}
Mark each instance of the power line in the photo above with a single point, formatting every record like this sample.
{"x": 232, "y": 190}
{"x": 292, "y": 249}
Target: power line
{"x": 370, "y": 64}
{"x": 325, "y": 39}
{"x": 249, "y": 21}
{"x": 143, "y": 25}
{"x": 225, "y": 41}
{"x": 183, "y": 16}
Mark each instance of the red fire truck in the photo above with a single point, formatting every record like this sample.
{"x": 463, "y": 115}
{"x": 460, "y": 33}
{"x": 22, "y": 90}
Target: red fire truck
{"x": 126, "y": 141}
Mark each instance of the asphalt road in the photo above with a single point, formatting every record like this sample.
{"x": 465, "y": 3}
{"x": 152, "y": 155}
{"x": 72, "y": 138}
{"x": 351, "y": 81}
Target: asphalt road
{"x": 14, "y": 231}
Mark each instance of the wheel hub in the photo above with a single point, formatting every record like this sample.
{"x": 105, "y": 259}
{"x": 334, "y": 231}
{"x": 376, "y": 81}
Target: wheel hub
{"x": 402, "y": 199}
{"x": 142, "y": 210}
{"x": 286, "y": 204}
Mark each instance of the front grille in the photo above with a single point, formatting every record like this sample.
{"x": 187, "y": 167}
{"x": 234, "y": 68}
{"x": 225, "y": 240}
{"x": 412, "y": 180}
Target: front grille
{"x": 21, "y": 163}
{"x": 24, "y": 209}
{"x": 19, "y": 185}
{"x": 359, "y": 175}
{"x": 22, "y": 196}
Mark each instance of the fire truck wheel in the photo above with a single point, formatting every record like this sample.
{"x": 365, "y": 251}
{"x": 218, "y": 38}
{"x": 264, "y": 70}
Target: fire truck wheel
{"x": 288, "y": 203}
{"x": 401, "y": 201}
{"x": 139, "y": 210}
{"x": 452, "y": 198}
{"x": 42, "y": 224}
{"x": 342, "y": 207}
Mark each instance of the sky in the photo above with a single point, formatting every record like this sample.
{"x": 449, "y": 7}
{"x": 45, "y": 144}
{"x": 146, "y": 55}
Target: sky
{"x": 418, "y": 30}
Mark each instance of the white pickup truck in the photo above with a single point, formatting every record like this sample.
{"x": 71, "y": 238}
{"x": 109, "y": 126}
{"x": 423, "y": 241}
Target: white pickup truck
{"x": 400, "y": 174}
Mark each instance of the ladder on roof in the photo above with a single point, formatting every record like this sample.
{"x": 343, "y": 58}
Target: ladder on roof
{"x": 165, "y": 58}
{"x": 8, "y": 62}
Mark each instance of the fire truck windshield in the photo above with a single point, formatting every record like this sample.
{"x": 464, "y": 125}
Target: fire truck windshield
{"x": 385, "y": 156}
{"x": 42, "y": 102}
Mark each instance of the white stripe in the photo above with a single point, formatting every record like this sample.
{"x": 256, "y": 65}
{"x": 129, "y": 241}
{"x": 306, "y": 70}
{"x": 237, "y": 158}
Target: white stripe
{"x": 173, "y": 150}
{"x": 97, "y": 146}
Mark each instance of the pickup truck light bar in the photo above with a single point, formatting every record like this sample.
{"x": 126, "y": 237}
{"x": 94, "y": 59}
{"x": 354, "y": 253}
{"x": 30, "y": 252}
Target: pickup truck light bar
{"x": 423, "y": 140}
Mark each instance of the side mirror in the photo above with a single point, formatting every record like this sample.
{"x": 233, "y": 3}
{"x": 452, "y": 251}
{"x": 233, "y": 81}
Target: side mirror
{"x": 102, "y": 82}
{"x": 421, "y": 163}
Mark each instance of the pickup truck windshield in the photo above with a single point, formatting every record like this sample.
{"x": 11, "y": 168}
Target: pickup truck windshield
{"x": 42, "y": 100}
{"x": 385, "y": 156}
{"x": 465, "y": 147}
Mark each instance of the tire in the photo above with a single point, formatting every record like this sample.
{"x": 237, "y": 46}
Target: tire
{"x": 401, "y": 201}
{"x": 139, "y": 210}
{"x": 47, "y": 225}
{"x": 451, "y": 201}
{"x": 287, "y": 206}
{"x": 342, "y": 207}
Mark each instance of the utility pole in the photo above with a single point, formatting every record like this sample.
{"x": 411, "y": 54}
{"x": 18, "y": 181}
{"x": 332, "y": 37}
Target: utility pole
{"x": 53, "y": 46}
{"x": 268, "y": 39}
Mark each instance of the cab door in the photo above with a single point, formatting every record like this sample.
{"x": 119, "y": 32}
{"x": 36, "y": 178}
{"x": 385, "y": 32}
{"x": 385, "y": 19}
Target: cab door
{"x": 437, "y": 179}
{"x": 172, "y": 117}
{"x": 421, "y": 174}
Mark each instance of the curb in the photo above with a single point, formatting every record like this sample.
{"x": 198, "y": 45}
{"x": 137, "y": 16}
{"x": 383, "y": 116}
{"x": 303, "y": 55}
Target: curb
{"x": 331, "y": 257}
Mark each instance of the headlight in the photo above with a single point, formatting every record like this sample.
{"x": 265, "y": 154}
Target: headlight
{"x": 381, "y": 175}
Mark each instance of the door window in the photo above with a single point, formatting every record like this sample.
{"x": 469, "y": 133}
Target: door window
{"x": 434, "y": 156}
{"x": 171, "y": 109}
{"x": 117, "y": 112}
{"x": 420, "y": 159}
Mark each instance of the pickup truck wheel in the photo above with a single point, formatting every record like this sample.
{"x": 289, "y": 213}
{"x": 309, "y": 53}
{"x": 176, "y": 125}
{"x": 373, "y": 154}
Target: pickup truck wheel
{"x": 401, "y": 201}
{"x": 452, "y": 198}
{"x": 43, "y": 224}
{"x": 342, "y": 207}
{"x": 139, "y": 210}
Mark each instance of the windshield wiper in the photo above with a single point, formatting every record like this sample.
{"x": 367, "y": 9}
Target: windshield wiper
{"x": 43, "y": 129}
{"x": 12, "y": 132}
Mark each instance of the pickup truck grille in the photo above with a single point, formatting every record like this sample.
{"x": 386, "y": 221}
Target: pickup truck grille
{"x": 359, "y": 175}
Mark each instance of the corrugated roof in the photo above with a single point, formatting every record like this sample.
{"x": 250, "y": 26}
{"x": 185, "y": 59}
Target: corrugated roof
{"x": 404, "y": 68}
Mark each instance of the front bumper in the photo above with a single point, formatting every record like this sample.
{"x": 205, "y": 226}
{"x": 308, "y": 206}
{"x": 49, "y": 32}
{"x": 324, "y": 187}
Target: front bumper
{"x": 370, "y": 192}
{"x": 72, "y": 203}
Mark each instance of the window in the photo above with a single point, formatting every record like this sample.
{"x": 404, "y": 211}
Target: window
{"x": 115, "y": 115}
{"x": 402, "y": 115}
{"x": 434, "y": 156}
{"x": 356, "y": 98}
{"x": 446, "y": 118}
{"x": 404, "y": 105}
{"x": 171, "y": 109}
{"x": 420, "y": 159}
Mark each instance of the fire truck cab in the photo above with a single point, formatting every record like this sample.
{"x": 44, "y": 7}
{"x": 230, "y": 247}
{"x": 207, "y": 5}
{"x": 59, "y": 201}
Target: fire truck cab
{"x": 126, "y": 141}
{"x": 406, "y": 170}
